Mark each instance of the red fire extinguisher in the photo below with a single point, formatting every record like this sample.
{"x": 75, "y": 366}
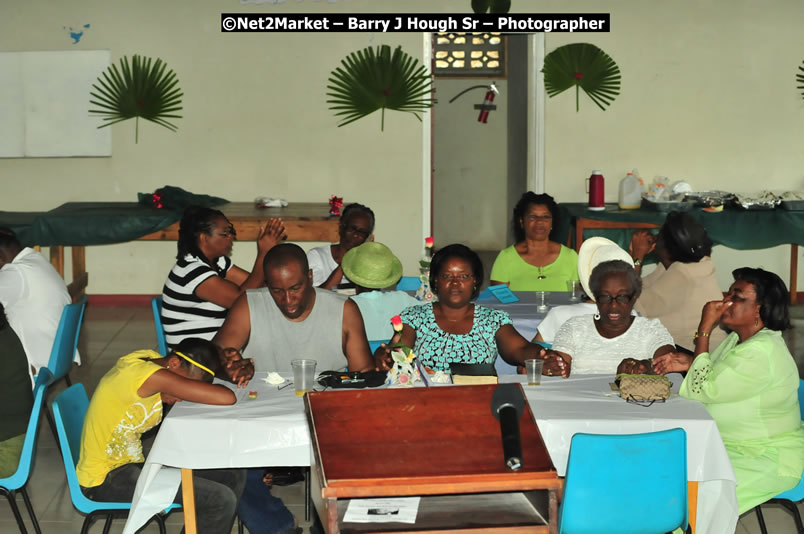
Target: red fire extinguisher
{"x": 487, "y": 105}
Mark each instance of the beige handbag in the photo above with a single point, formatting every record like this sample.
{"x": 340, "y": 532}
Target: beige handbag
{"x": 642, "y": 388}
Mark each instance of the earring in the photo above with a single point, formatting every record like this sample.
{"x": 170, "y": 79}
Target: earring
{"x": 756, "y": 321}
{"x": 597, "y": 316}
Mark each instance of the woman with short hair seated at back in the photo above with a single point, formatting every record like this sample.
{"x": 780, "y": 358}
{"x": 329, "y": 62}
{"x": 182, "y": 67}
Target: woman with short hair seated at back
{"x": 534, "y": 262}
{"x": 749, "y": 385}
{"x": 16, "y": 397}
{"x": 455, "y": 329}
{"x": 204, "y": 283}
{"x": 595, "y": 344}
{"x": 683, "y": 281}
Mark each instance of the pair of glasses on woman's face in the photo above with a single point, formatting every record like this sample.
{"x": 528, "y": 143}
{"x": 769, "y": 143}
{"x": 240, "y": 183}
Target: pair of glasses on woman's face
{"x": 622, "y": 300}
{"x": 230, "y": 232}
{"x": 463, "y": 277}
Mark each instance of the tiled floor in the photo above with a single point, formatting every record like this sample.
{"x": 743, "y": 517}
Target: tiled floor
{"x": 109, "y": 333}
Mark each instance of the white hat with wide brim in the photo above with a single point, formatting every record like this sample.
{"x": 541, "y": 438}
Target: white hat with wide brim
{"x": 595, "y": 251}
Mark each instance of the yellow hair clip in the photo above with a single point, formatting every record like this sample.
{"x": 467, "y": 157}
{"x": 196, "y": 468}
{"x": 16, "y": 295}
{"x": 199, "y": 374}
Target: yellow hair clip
{"x": 194, "y": 362}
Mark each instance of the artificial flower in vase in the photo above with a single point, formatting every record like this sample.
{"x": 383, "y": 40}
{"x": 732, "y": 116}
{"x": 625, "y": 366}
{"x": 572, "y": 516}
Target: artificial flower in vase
{"x": 424, "y": 293}
{"x": 403, "y": 372}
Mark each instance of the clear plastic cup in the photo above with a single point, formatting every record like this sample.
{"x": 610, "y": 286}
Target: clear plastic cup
{"x": 533, "y": 370}
{"x": 303, "y": 375}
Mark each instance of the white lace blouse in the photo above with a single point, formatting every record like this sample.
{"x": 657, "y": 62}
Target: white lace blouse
{"x": 594, "y": 354}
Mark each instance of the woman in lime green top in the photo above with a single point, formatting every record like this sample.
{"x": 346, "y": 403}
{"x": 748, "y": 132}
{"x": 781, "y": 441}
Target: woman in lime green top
{"x": 749, "y": 385}
{"x": 535, "y": 263}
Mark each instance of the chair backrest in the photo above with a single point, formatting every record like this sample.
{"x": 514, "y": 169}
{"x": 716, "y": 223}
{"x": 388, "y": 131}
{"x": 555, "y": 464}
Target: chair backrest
{"x": 375, "y": 344}
{"x": 634, "y": 483}
{"x": 69, "y": 409}
{"x": 408, "y": 283}
{"x": 66, "y": 341}
{"x": 156, "y": 306}
{"x": 20, "y": 477}
{"x": 801, "y": 397}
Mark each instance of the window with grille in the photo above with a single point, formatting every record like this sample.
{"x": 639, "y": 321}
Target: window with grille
{"x": 464, "y": 55}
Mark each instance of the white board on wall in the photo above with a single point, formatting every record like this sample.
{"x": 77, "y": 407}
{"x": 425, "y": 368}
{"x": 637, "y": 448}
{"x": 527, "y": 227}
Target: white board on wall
{"x": 44, "y": 104}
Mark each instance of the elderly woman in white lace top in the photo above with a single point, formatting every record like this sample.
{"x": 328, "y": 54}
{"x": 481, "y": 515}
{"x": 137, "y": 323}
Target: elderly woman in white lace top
{"x": 596, "y": 344}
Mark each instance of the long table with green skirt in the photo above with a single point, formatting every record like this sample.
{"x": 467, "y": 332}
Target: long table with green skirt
{"x": 80, "y": 224}
{"x": 734, "y": 228}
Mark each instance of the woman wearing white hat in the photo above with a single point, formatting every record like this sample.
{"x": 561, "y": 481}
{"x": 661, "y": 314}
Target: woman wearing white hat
{"x": 595, "y": 344}
{"x": 373, "y": 267}
{"x": 593, "y": 251}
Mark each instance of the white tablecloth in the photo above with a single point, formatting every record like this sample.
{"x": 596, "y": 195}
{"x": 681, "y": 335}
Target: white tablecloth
{"x": 272, "y": 431}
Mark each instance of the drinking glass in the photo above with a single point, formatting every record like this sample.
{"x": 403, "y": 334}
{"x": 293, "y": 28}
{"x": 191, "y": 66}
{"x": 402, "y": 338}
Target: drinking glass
{"x": 533, "y": 370}
{"x": 541, "y": 301}
{"x": 303, "y": 376}
{"x": 574, "y": 287}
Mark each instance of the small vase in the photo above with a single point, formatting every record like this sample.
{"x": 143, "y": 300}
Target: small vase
{"x": 424, "y": 293}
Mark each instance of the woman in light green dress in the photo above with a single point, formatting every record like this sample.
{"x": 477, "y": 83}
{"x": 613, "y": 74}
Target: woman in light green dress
{"x": 749, "y": 385}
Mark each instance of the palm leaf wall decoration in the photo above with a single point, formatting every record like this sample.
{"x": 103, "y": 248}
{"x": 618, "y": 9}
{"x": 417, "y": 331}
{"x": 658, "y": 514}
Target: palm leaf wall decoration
{"x": 144, "y": 88}
{"x": 586, "y": 67}
{"x": 800, "y": 79}
{"x": 368, "y": 80}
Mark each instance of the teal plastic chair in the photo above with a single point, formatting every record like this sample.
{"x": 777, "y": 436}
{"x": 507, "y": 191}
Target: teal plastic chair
{"x": 69, "y": 410}
{"x": 790, "y": 498}
{"x": 614, "y": 483}
{"x": 156, "y": 307}
{"x": 374, "y": 345}
{"x": 408, "y": 283}
{"x": 16, "y": 483}
{"x": 66, "y": 341}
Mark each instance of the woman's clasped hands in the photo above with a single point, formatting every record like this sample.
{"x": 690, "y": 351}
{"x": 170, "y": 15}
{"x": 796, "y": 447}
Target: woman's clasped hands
{"x": 555, "y": 364}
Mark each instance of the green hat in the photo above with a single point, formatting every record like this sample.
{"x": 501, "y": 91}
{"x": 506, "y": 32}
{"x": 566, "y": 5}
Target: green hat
{"x": 372, "y": 265}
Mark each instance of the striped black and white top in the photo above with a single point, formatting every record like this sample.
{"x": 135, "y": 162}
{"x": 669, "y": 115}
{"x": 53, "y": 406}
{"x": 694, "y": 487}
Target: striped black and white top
{"x": 183, "y": 313}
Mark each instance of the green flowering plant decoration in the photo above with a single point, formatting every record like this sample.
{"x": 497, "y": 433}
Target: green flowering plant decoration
{"x": 583, "y": 66}
{"x": 800, "y": 79}
{"x": 143, "y": 88}
{"x": 368, "y": 80}
{"x": 491, "y": 6}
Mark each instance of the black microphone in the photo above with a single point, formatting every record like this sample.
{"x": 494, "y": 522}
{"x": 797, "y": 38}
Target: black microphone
{"x": 507, "y": 404}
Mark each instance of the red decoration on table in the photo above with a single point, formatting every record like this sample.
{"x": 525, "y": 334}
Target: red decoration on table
{"x": 335, "y": 205}
{"x": 156, "y": 200}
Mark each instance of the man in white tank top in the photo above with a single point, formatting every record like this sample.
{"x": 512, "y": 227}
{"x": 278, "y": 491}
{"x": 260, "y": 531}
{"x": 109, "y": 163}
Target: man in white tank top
{"x": 291, "y": 319}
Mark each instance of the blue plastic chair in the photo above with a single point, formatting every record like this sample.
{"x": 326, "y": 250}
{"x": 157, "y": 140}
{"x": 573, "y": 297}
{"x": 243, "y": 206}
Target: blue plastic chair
{"x": 16, "y": 482}
{"x": 790, "y": 498}
{"x": 408, "y": 283}
{"x": 375, "y": 344}
{"x": 66, "y": 341}
{"x": 614, "y": 483}
{"x": 69, "y": 410}
{"x": 161, "y": 339}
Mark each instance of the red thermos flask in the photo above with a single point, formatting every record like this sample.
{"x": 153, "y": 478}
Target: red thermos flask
{"x": 594, "y": 186}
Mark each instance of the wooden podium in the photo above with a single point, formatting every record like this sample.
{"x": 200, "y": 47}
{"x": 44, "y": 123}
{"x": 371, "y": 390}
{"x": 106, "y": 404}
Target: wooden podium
{"x": 440, "y": 443}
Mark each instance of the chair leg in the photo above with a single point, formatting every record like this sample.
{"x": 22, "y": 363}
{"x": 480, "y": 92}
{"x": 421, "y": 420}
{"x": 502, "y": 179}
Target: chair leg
{"x": 87, "y": 522}
{"x": 51, "y": 423}
{"x": 31, "y": 513}
{"x": 240, "y": 528}
{"x": 793, "y": 509}
{"x": 761, "y": 520}
{"x": 67, "y": 379}
{"x": 15, "y": 509}
{"x": 160, "y": 523}
{"x": 307, "y": 495}
{"x": 107, "y": 525}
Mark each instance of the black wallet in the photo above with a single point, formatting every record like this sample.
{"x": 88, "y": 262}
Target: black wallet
{"x": 355, "y": 379}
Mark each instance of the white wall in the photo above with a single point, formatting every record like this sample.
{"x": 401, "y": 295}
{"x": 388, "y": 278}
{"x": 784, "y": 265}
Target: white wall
{"x": 708, "y": 96}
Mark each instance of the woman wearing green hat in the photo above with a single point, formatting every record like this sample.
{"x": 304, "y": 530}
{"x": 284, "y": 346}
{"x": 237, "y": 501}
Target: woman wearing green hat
{"x": 373, "y": 267}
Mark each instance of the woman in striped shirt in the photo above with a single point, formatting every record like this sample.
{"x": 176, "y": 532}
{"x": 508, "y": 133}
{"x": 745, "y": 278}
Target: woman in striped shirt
{"x": 204, "y": 284}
